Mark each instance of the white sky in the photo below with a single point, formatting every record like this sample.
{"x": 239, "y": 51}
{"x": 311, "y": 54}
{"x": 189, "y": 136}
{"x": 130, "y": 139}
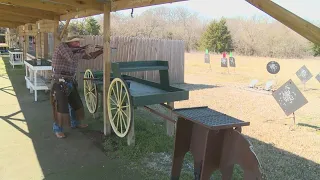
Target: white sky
{"x": 212, "y": 9}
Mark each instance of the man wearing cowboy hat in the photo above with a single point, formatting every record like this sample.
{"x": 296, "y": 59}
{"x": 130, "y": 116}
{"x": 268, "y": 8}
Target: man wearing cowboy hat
{"x": 65, "y": 99}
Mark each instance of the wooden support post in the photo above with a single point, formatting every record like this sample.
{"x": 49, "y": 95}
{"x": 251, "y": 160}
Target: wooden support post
{"x": 64, "y": 29}
{"x": 55, "y": 32}
{"x": 106, "y": 65}
{"x": 170, "y": 125}
{"x": 45, "y": 52}
{"x": 38, "y": 45}
{"x": 24, "y": 46}
{"x": 131, "y": 139}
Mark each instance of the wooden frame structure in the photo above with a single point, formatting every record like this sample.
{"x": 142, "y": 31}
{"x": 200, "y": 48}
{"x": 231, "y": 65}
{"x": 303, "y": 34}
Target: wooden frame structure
{"x": 35, "y": 17}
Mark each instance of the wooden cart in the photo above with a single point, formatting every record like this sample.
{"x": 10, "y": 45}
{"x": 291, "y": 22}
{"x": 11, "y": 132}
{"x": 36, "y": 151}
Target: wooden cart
{"x": 127, "y": 92}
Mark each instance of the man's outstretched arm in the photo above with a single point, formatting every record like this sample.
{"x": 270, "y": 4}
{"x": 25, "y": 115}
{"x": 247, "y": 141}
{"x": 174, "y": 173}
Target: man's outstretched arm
{"x": 92, "y": 55}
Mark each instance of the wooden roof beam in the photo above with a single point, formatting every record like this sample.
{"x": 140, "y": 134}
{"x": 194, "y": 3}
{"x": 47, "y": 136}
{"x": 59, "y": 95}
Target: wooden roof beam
{"x": 296, "y": 23}
{"x": 129, "y": 4}
{"x": 80, "y": 14}
{"x": 38, "y": 4}
{"x": 27, "y": 12}
{"x": 116, "y": 6}
{"x": 83, "y": 4}
{"x": 7, "y": 17}
{"x": 9, "y": 24}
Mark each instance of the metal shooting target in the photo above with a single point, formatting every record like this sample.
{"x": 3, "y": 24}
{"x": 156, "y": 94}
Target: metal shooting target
{"x": 304, "y": 74}
{"x": 207, "y": 58}
{"x": 273, "y": 67}
{"x": 269, "y": 85}
{"x": 232, "y": 62}
{"x": 318, "y": 77}
{"x": 224, "y": 62}
{"x": 289, "y": 97}
{"x": 253, "y": 83}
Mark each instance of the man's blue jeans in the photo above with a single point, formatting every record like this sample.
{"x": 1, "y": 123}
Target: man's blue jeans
{"x": 74, "y": 123}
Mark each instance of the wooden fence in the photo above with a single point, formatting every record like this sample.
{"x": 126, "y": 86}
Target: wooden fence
{"x": 140, "y": 49}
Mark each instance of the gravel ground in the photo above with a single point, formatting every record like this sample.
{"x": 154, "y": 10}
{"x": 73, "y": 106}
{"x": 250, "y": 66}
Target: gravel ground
{"x": 284, "y": 150}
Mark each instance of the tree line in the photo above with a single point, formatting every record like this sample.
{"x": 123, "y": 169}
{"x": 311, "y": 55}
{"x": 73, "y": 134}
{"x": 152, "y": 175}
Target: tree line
{"x": 257, "y": 36}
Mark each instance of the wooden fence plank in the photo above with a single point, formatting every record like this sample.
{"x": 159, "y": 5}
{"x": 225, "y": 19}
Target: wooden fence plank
{"x": 140, "y": 49}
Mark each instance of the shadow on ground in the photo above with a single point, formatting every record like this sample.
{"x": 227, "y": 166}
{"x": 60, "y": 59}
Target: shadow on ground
{"x": 194, "y": 87}
{"x": 75, "y": 157}
{"x": 308, "y": 125}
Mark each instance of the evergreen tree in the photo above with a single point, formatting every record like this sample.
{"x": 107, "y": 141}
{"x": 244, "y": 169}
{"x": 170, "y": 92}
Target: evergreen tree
{"x": 92, "y": 27}
{"x": 316, "y": 50}
{"x": 217, "y": 37}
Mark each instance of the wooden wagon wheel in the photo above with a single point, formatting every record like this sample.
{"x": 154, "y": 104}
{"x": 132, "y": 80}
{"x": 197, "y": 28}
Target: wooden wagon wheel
{"x": 119, "y": 107}
{"x": 90, "y": 92}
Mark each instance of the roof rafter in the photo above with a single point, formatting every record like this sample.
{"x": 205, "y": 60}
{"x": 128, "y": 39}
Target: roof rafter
{"x": 117, "y": 6}
{"x": 6, "y": 16}
{"x": 29, "y": 12}
{"x": 38, "y": 4}
{"x": 9, "y": 24}
{"x": 83, "y": 4}
{"x": 124, "y": 4}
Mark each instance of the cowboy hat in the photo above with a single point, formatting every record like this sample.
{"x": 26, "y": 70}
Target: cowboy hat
{"x": 72, "y": 37}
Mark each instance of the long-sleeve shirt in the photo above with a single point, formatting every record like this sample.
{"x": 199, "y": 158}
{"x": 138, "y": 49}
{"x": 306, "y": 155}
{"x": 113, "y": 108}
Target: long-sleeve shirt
{"x": 64, "y": 61}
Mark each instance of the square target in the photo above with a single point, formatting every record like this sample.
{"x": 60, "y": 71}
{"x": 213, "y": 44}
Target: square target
{"x": 289, "y": 97}
{"x": 304, "y": 74}
{"x": 318, "y": 77}
{"x": 207, "y": 58}
{"x": 232, "y": 62}
{"x": 224, "y": 62}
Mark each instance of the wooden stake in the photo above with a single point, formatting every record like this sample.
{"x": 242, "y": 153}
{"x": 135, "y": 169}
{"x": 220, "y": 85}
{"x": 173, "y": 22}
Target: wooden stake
{"x": 106, "y": 65}
{"x": 64, "y": 29}
{"x": 294, "y": 118}
{"x": 170, "y": 125}
{"x": 55, "y": 33}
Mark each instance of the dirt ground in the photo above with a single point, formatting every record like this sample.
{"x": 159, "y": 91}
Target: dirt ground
{"x": 285, "y": 150}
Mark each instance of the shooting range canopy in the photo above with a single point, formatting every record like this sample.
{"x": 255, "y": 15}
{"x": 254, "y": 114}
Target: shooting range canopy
{"x": 289, "y": 97}
{"x": 273, "y": 67}
{"x": 304, "y": 74}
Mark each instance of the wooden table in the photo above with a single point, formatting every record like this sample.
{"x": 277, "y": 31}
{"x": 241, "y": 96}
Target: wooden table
{"x": 33, "y": 81}
{"x": 215, "y": 141}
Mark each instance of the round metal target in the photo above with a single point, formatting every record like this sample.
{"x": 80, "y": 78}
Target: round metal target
{"x": 273, "y": 67}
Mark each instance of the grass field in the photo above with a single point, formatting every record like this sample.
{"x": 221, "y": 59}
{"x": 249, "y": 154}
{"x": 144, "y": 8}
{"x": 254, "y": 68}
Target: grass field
{"x": 285, "y": 151}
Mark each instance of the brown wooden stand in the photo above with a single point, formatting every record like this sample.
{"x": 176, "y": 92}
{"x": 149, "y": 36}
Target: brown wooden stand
{"x": 218, "y": 147}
